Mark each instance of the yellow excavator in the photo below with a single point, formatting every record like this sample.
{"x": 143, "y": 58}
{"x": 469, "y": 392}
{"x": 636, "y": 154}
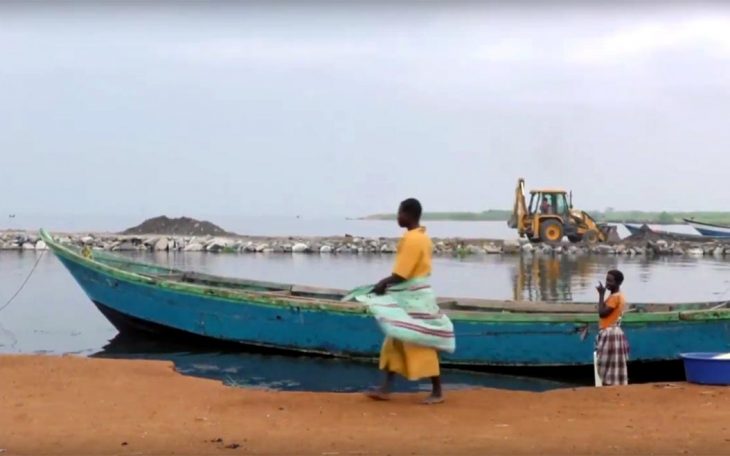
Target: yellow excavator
{"x": 550, "y": 216}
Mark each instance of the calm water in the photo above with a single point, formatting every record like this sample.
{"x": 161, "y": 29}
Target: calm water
{"x": 52, "y": 315}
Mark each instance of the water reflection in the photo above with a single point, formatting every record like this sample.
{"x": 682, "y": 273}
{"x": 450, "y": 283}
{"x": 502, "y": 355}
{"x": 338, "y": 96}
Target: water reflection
{"x": 550, "y": 278}
{"x": 572, "y": 278}
{"x": 234, "y": 366}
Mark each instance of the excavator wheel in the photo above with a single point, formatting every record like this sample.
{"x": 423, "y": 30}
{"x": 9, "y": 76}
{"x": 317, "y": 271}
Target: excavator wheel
{"x": 551, "y": 231}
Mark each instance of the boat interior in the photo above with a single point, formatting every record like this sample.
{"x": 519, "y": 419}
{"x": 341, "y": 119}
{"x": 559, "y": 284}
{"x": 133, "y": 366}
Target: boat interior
{"x": 310, "y": 294}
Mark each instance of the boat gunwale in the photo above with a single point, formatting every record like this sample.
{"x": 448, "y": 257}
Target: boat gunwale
{"x": 711, "y": 225}
{"x": 301, "y": 303}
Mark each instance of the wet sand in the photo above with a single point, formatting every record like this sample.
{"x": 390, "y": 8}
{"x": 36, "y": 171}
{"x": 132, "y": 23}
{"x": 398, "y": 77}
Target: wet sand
{"x": 80, "y": 406}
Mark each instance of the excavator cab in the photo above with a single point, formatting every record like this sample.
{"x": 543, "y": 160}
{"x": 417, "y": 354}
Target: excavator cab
{"x": 550, "y": 216}
{"x": 549, "y": 202}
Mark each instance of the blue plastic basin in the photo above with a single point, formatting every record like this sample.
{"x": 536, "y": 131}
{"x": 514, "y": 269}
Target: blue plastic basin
{"x": 706, "y": 368}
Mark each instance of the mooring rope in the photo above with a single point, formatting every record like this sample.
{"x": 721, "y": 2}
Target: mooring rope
{"x": 27, "y": 278}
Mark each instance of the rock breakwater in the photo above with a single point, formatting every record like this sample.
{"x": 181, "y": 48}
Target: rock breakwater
{"x": 25, "y": 240}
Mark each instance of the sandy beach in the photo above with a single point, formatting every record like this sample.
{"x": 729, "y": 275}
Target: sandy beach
{"x": 79, "y": 406}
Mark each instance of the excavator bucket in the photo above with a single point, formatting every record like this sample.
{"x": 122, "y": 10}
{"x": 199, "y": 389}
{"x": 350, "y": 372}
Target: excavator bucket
{"x": 611, "y": 233}
{"x": 520, "y": 206}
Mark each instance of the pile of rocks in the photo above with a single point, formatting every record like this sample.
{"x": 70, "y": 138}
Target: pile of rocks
{"x": 21, "y": 241}
{"x": 658, "y": 248}
{"x": 353, "y": 245}
{"x": 181, "y": 226}
{"x": 234, "y": 244}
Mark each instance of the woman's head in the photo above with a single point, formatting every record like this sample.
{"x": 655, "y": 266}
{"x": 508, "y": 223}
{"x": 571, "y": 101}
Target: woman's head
{"x": 409, "y": 213}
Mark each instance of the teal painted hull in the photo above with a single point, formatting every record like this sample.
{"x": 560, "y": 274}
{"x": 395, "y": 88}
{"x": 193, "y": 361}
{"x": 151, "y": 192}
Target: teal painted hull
{"x": 337, "y": 329}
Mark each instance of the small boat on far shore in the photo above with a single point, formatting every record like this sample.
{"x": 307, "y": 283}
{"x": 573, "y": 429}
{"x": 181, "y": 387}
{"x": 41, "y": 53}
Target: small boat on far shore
{"x": 644, "y": 228}
{"x": 636, "y": 229}
{"x": 709, "y": 229}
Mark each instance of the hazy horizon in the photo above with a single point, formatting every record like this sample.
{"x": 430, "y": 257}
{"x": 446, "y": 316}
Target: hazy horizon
{"x": 322, "y": 109}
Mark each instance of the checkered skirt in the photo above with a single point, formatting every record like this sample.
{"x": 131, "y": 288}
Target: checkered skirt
{"x": 612, "y": 353}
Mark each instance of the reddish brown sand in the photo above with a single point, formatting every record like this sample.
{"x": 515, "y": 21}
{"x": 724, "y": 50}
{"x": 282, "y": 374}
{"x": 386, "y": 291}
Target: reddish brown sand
{"x": 77, "y": 406}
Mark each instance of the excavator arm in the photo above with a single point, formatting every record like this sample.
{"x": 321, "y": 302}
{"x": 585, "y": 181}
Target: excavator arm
{"x": 519, "y": 210}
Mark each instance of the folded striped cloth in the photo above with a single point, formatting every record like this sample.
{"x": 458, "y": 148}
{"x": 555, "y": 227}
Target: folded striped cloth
{"x": 408, "y": 312}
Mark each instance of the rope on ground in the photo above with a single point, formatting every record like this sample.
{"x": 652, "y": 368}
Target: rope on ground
{"x": 15, "y": 295}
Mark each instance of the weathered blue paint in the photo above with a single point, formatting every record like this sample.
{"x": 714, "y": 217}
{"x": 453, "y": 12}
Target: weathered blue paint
{"x": 710, "y": 232}
{"x": 709, "y": 229}
{"x": 532, "y": 341}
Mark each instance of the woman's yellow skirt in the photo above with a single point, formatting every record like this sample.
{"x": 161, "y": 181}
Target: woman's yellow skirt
{"x": 413, "y": 362}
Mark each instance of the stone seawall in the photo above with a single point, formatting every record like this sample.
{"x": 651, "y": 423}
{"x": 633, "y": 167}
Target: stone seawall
{"x": 25, "y": 240}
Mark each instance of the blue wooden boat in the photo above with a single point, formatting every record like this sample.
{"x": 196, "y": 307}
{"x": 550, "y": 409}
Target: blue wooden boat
{"x": 138, "y": 296}
{"x": 709, "y": 229}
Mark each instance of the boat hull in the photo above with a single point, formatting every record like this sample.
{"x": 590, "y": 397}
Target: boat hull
{"x": 632, "y": 229}
{"x": 492, "y": 339}
{"x": 710, "y": 230}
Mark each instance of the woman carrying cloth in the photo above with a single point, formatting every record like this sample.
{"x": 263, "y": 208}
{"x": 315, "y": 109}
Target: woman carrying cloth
{"x": 405, "y": 307}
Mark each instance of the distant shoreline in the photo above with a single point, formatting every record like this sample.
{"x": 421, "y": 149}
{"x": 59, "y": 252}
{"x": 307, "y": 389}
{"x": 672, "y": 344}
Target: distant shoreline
{"x": 635, "y": 217}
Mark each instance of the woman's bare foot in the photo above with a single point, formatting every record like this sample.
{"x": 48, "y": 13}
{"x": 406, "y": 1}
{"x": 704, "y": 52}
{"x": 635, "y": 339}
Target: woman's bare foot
{"x": 433, "y": 400}
{"x": 377, "y": 394}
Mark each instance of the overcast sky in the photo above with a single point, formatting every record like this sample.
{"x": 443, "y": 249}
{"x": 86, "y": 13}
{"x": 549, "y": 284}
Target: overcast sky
{"x": 321, "y": 109}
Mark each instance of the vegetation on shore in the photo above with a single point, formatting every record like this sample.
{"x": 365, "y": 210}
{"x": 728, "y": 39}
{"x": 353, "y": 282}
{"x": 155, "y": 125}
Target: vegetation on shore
{"x": 663, "y": 217}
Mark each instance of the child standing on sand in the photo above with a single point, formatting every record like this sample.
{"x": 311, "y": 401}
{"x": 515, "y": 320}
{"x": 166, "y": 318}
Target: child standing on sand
{"x": 612, "y": 347}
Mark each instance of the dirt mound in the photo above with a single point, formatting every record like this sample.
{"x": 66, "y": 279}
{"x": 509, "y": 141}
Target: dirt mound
{"x": 183, "y": 226}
